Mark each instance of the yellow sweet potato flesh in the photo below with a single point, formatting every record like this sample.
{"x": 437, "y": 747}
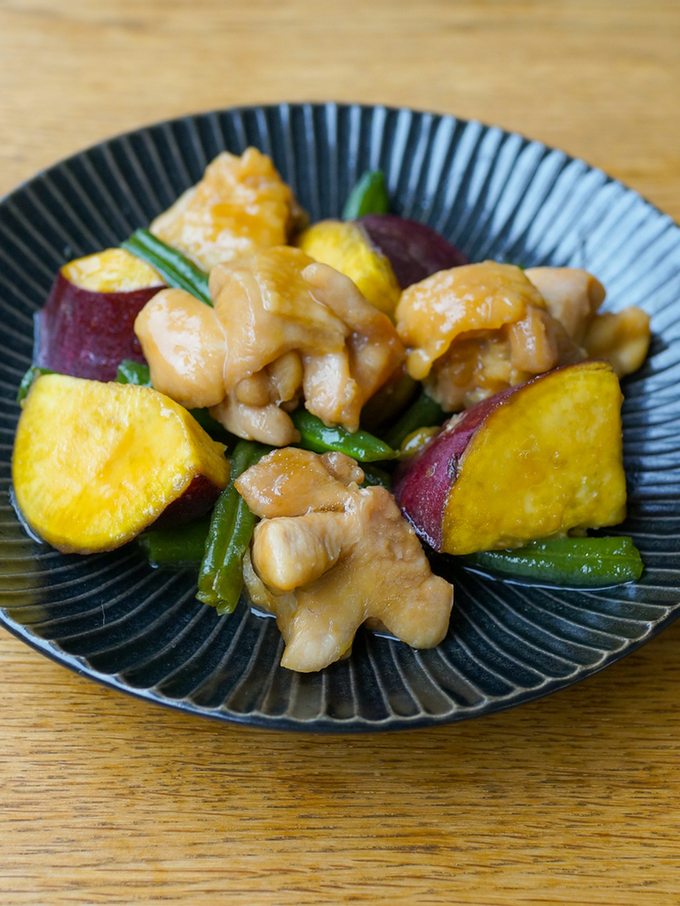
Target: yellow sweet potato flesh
{"x": 111, "y": 271}
{"x": 546, "y": 460}
{"x": 95, "y": 463}
{"x": 344, "y": 246}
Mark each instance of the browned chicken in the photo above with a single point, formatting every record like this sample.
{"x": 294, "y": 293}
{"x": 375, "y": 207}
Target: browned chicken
{"x": 329, "y": 555}
{"x": 573, "y": 296}
{"x": 478, "y": 329}
{"x": 240, "y": 205}
{"x": 283, "y": 328}
{"x": 475, "y": 330}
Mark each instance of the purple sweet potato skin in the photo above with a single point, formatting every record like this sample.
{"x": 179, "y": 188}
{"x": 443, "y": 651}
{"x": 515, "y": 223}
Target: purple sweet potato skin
{"x": 87, "y": 334}
{"x": 414, "y": 250}
{"x": 197, "y": 500}
{"x": 421, "y": 486}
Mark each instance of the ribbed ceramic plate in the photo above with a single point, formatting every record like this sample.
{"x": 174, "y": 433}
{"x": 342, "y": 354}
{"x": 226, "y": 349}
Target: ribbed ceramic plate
{"x": 495, "y": 195}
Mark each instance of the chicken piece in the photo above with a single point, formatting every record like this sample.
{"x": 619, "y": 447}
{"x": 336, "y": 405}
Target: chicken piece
{"x": 239, "y": 206}
{"x": 295, "y": 482}
{"x": 329, "y": 555}
{"x": 475, "y": 330}
{"x": 282, "y": 327}
{"x": 267, "y": 424}
{"x": 621, "y": 337}
{"x": 573, "y": 297}
{"x": 185, "y": 345}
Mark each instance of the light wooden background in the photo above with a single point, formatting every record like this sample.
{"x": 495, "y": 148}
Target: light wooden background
{"x": 571, "y": 800}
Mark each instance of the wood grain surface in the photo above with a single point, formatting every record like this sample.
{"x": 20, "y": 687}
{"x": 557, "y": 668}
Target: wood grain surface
{"x": 573, "y": 799}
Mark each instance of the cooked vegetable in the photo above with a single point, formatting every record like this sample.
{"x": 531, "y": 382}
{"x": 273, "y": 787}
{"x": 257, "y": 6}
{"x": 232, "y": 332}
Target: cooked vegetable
{"x": 415, "y": 441}
{"x": 177, "y": 270}
{"x": 374, "y": 475}
{"x": 369, "y": 196}
{"x": 94, "y": 463}
{"x": 381, "y": 253}
{"x": 424, "y": 413}
{"x": 28, "y": 379}
{"x": 534, "y": 461}
{"x": 414, "y": 250}
{"x": 220, "y": 579}
{"x": 390, "y": 402}
{"x": 130, "y": 372}
{"x": 179, "y": 545}
{"x": 583, "y": 562}
{"x": 136, "y": 373}
{"x": 86, "y": 326}
{"x": 346, "y": 247}
{"x": 360, "y": 445}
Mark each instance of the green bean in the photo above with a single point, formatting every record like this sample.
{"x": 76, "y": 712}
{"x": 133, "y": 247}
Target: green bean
{"x": 179, "y": 545}
{"x": 220, "y": 578}
{"x": 586, "y": 562}
{"x": 177, "y": 270}
{"x": 369, "y": 196}
{"x": 375, "y": 476}
{"x": 130, "y": 372}
{"x": 423, "y": 413}
{"x": 360, "y": 445}
{"x": 27, "y": 381}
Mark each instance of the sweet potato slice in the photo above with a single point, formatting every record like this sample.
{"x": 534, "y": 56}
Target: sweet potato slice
{"x": 86, "y": 326}
{"x": 95, "y": 463}
{"x": 347, "y": 248}
{"x": 414, "y": 250}
{"x": 532, "y": 462}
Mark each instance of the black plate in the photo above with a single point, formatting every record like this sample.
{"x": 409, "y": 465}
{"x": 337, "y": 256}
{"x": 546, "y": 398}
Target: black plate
{"x": 494, "y": 194}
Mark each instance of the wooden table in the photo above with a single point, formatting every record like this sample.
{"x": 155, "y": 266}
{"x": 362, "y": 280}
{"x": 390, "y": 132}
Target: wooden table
{"x": 573, "y": 799}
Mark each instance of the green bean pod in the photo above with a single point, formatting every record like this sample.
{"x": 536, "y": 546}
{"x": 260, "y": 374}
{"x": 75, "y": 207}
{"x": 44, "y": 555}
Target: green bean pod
{"x": 580, "y": 562}
{"x": 179, "y": 545}
{"x": 130, "y": 372}
{"x": 360, "y": 445}
{"x": 220, "y": 577}
{"x": 374, "y": 475}
{"x": 27, "y": 381}
{"x": 176, "y": 269}
{"x": 423, "y": 413}
{"x": 369, "y": 196}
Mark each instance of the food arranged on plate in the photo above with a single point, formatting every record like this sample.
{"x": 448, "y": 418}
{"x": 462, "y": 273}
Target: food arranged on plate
{"x": 309, "y": 409}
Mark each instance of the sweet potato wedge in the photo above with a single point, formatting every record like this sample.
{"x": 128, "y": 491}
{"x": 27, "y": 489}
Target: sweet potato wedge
{"x": 414, "y": 250}
{"x": 85, "y": 328}
{"x": 534, "y": 461}
{"x": 382, "y": 253}
{"x": 346, "y": 247}
{"x": 94, "y": 463}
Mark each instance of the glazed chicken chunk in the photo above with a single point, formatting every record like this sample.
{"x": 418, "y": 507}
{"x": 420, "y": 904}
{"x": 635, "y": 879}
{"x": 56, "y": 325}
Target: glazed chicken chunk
{"x": 573, "y": 296}
{"x": 241, "y": 204}
{"x": 329, "y": 555}
{"x": 476, "y": 330}
{"x": 283, "y": 329}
